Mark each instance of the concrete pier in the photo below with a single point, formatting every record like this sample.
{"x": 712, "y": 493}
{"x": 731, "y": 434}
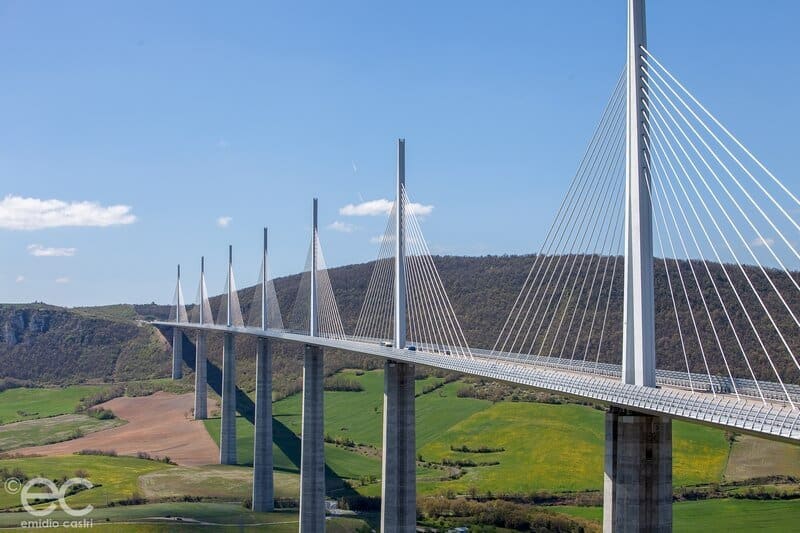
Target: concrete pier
{"x": 398, "y": 480}
{"x": 263, "y": 489}
{"x": 638, "y": 473}
{"x": 227, "y": 437}
{"x": 312, "y": 459}
{"x": 177, "y": 353}
{"x": 200, "y": 378}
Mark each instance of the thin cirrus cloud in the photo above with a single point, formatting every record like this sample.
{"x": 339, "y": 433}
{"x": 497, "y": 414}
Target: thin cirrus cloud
{"x": 342, "y": 227}
{"x": 62, "y": 280}
{"x": 381, "y": 206}
{"x": 762, "y": 241}
{"x": 20, "y": 213}
{"x": 37, "y": 250}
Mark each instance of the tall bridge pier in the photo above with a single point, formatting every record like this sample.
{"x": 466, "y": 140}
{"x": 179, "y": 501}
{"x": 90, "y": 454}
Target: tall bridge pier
{"x": 312, "y": 456}
{"x": 638, "y": 457}
{"x": 638, "y": 472}
{"x": 177, "y": 334}
{"x": 200, "y": 370}
{"x": 227, "y": 437}
{"x": 399, "y": 467}
{"x": 263, "y": 487}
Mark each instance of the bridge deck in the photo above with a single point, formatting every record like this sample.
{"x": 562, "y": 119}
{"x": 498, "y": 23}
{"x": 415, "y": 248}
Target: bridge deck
{"x": 771, "y": 419}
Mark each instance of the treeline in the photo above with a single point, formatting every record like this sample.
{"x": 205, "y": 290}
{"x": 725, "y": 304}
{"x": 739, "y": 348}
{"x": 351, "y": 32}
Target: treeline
{"x": 44, "y": 343}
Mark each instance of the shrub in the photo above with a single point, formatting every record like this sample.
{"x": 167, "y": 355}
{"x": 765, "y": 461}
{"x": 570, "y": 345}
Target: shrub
{"x": 89, "y": 451}
{"x": 101, "y": 413}
{"x": 342, "y": 384}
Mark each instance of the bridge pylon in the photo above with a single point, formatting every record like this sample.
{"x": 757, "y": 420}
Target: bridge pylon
{"x": 398, "y": 479}
{"x": 200, "y": 373}
{"x": 638, "y": 456}
{"x": 263, "y": 487}
{"x": 177, "y": 334}
{"x": 312, "y": 455}
{"x": 227, "y": 437}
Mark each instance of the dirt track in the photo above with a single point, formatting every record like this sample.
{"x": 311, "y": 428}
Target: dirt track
{"x": 157, "y": 424}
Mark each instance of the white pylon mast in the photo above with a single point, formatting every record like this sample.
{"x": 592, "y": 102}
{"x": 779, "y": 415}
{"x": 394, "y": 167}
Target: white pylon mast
{"x": 264, "y": 284}
{"x": 202, "y": 288}
{"x": 400, "y": 250}
{"x": 230, "y": 285}
{"x": 638, "y": 351}
{"x": 313, "y": 329}
{"x": 178, "y": 297}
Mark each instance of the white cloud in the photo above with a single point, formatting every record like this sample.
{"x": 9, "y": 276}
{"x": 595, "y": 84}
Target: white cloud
{"x": 224, "y": 222}
{"x": 382, "y": 206}
{"x": 760, "y": 241}
{"x": 20, "y": 278}
{"x": 41, "y": 251}
{"x": 370, "y": 208}
{"x": 18, "y": 213}
{"x": 344, "y": 227}
{"x": 62, "y": 280}
{"x": 380, "y": 239}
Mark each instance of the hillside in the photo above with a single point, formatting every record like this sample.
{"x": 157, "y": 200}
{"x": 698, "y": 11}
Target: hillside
{"x": 48, "y": 344}
{"x": 59, "y": 345}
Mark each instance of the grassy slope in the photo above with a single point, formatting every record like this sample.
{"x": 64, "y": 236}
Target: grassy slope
{"x": 50, "y": 430}
{"x": 115, "y": 478}
{"x": 754, "y": 457}
{"x": 718, "y": 515}
{"x": 547, "y": 447}
{"x": 27, "y": 404}
{"x": 223, "y": 515}
{"x": 213, "y": 481}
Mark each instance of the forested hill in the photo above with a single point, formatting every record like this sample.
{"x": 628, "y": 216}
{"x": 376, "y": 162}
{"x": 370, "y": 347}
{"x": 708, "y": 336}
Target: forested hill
{"x": 106, "y": 341}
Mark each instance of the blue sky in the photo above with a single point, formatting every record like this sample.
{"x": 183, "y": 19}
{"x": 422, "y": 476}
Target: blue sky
{"x": 188, "y": 112}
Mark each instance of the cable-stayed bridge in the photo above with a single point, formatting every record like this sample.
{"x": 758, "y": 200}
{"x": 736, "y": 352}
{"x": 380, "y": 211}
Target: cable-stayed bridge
{"x": 673, "y": 243}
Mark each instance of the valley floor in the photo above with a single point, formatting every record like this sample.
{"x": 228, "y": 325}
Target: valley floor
{"x": 540, "y": 453}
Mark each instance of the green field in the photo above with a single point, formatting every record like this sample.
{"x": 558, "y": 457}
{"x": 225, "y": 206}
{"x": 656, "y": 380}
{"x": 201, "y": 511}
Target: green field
{"x": 539, "y": 447}
{"x": 221, "y": 482}
{"x": 49, "y": 430}
{"x": 115, "y": 478}
{"x": 161, "y": 517}
{"x": 559, "y": 448}
{"x": 754, "y": 457}
{"x": 553, "y": 448}
{"x": 718, "y": 515}
{"x": 546, "y": 447}
{"x": 28, "y": 404}
{"x": 359, "y": 415}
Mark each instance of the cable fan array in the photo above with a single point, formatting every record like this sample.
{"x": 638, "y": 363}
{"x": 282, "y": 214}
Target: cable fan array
{"x": 328, "y": 319}
{"x": 255, "y": 318}
{"x": 432, "y": 324}
{"x": 714, "y": 201}
{"x": 564, "y": 309}
{"x": 177, "y": 311}
{"x": 726, "y": 280}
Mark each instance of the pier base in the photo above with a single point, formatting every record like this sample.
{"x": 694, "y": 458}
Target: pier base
{"x": 312, "y": 459}
{"x": 227, "y": 437}
{"x": 177, "y": 353}
{"x": 200, "y": 378}
{"x": 638, "y": 473}
{"x": 263, "y": 489}
{"x": 398, "y": 480}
